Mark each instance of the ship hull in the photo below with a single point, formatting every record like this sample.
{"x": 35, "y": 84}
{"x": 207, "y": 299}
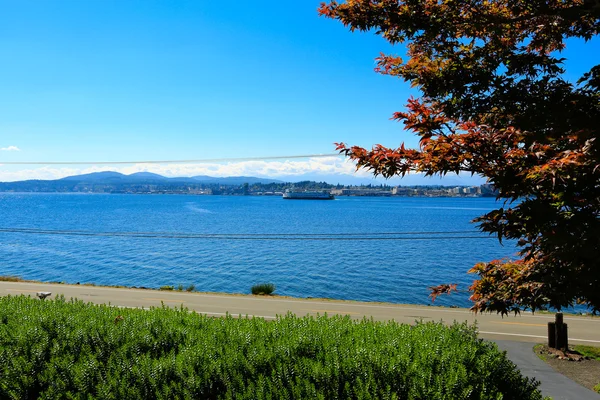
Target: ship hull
{"x": 307, "y": 196}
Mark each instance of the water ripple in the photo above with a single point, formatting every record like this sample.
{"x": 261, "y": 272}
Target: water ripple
{"x": 374, "y": 270}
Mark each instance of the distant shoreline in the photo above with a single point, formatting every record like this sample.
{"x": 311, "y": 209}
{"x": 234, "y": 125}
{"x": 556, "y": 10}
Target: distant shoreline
{"x": 148, "y": 183}
{"x": 426, "y": 195}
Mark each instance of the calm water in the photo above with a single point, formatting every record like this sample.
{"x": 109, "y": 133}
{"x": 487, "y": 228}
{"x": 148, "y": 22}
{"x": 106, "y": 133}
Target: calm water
{"x": 339, "y": 249}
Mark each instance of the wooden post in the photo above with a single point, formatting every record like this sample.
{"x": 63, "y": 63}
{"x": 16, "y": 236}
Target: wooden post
{"x": 565, "y": 335}
{"x": 560, "y": 332}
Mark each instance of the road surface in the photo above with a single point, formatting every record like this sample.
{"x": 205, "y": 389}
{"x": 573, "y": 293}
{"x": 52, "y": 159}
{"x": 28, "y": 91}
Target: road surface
{"x": 525, "y": 327}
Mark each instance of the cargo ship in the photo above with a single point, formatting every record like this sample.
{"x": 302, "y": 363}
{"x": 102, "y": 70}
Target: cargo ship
{"x": 307, "y": 195}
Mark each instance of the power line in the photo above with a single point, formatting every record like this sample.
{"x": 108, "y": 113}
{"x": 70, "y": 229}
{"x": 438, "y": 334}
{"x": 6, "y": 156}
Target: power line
{"x": 204, "y": 160}
{"x": 450, "y": 235}
{"x": 26, "y": 230}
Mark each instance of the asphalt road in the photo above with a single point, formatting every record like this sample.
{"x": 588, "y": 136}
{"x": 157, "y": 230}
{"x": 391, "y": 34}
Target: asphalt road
{"x": 524, "y": 328}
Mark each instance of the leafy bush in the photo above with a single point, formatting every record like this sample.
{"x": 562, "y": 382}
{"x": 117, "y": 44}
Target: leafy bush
{"x": 190, "y": 288}
{"x": 263, "y": 288}
{"x": 166, "y": 287}
{"x": 60, "y": 349}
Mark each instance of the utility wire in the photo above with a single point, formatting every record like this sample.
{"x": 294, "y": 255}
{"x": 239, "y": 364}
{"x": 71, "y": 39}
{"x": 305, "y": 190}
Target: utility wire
{"x": 256, "y": 236}
{"x": 26, "y": 230}
{"x": 204, "y": 160}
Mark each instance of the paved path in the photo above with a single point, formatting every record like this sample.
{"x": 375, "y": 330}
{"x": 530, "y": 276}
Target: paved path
{"x": 515, "y": 334}
{"x": 553, "y": 384}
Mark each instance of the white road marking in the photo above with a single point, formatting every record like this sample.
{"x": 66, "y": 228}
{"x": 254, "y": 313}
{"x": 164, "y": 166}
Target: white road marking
{"x": 536, "y": 336}
{"x": 238, "y": 315}
{"x": 208, "y": 313}
{"x": 333, "y": 303}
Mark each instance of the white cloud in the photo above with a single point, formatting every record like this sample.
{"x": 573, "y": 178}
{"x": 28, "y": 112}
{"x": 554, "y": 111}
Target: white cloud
{"x": 10, "y": 148}
{"x": 272, "y": 169}
{"x": 330, "y": 169}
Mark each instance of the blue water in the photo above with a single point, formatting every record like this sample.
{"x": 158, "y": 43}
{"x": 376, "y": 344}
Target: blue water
{"x": 361, "y": 268}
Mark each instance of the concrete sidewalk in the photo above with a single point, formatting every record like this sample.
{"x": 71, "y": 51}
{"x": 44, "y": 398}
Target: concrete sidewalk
{"x": 555, "y": 385}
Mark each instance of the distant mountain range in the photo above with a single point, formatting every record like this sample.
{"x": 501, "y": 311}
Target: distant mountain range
{"x": 141, "y": 182}
{"x": 115, "y": 181}
{"x": 151, "y": 178}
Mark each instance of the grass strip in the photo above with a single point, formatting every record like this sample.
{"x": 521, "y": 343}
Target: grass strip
{"x": 588, "y": 351}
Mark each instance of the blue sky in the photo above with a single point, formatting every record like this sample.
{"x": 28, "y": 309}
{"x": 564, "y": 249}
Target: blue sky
{"x": 127, "y": 80}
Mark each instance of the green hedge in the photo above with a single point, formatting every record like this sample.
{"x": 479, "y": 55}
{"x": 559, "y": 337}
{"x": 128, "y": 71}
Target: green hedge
{"x": 58, "y": 349}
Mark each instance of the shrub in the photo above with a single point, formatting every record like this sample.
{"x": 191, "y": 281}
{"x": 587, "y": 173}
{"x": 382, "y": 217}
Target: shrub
{"x": 166, "y": 287}
{"x": 190, "y": 288}
{"x": 69, "y": 349}
{"x": 180, "y": 287}
{"x": 263, "y": 288}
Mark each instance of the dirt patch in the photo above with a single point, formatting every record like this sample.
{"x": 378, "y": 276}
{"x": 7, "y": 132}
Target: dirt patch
{"x": 573, "y": 365}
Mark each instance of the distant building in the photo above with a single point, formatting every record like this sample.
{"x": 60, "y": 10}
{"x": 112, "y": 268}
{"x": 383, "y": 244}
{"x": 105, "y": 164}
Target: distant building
{"x": 404, "y": 191}
{"x": 361, "y": 192}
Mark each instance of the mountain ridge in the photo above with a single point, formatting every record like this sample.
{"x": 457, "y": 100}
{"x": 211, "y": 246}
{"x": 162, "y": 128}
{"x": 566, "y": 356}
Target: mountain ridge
{"x": 150, "y": 178}
{"x": 144, "y": 178}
